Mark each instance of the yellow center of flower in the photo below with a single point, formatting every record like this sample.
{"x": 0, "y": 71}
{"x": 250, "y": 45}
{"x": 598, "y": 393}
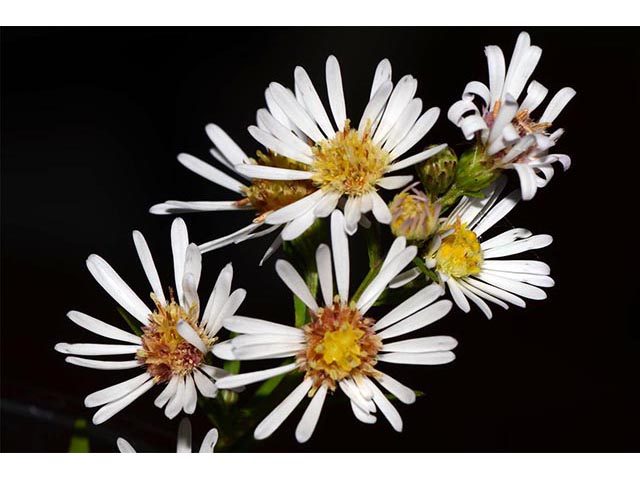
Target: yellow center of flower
{"x": 270, "y": 195}
{"x": 164, "y": 352}
{"x": 459, "y": 254}
{"x": 349, "y": 163}
{"x": 340, "y": 343}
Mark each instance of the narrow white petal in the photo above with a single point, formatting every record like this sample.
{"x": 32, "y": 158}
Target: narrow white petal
{"x": 228, "y": 239}
{"x": 190, "y": 395}
{"x": 327, "y": 204}
{"x": 103, "y": 364}
{"x": 507, "y": 111}
{"x": 557, "y": 104}
{"x": 282, "y": 147}
{"x": 394, "y": 182}
{"x": 325, "y": 273}
{"x": 417, "y": 158}
{"x": 380, "y": 209}
{"x": 177, "y": 401}
{"x": 482, "y": 294}
{"x": 340, "y": 245}
{"x": 171, "y": 207}
{"x": 124, "y": 446}
{"x": 513, "y": 286}
{"x": 348, "y": 386}
{"x": 387, "y": 409}
{"x": 422, "y": 345}
{"x": 375, "y": 106}
{"x": 187, "y": 332}
{"x": 294, "y": 111}
{"x": 457, "y": 295}
{"x": 537, "y": 280}
{"x": 352, "y": 214}
{"x": 295, "y": 209}
{"x": 240, "y": 324}
{"x": 115, "y": 392}
{"x": 101, "y": 328}
{"x": 179, "y": 244}
{"x": 228, "y": 309}
{"x": 335, "y": 92}
{"x": 209, "y": 441}
{"x": 398, "y": 101}
{"x": 404, "y": 123}
{"x": 362, "y": 415}
{"x": 283, "y": 133}
{"x": 497, "y": 213}
{"x": 109, "y": 410}
{"x": 418, "y": 320}
{"x": 210, "y": 173}
{"x": 398, "y": 245}
{"x": 404, "y": 278}
{"x": 263, "y": 339}
{"x": 234, "y": 381}
{"x": 417, "y": 132}
{"x": 394, "y": 387}
{"x": 146, "y": 259}
{"x": 312, "y": 101}
{"x": 497, "y": 71}
{"x": 505, "y": 238}
{"x": 309, "y": 419}
{"x": 496, "y": 292}
{"x": 519, "y": 246}
{"x": 218, "y": 296}
{"x": 184, "y": 436}
{"x": 272, "y": 350}
{"x": 273, "y": 173}
{"x": 273, "y": 247}
{"x": 528, "y": 180}
{"x": 113, "y": 284}
{"x": 480, "y": 303}
{"x": 205, "y": 386}
{"x": 89, "y": 349}
{"x": 535, "y": 95}
{"x": 428, "y": 358}
{"x": 521, "y": 266}
{"x": 381, "y": 75}
{"x": 477, "y": 89}
{"x": 296, "y": 284}
{"x": 225, "y": 144}
{"x": 167, "y": 393}
{"x": 282, "y": 411}
{"x": 298, "y": 226}
{"x": 193, "y": 263}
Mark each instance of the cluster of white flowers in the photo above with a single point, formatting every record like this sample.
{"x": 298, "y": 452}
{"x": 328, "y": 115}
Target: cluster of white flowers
{"x": 319, "y": 166}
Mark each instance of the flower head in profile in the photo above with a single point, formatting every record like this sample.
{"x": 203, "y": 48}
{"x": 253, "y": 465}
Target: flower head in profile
{"x": 508, "y": 133}
{"x": 175, "y": 337}
{"x": 344, "y": 161}
{"x": 473, "y": 267}
{"x": 342, "y": 345}
{"x": 184, "y": 440}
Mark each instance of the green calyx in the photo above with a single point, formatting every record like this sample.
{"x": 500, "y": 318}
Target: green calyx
{"x": 438, "y": 172}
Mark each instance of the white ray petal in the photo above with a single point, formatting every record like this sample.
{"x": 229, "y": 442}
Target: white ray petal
{"x": 520, "y": 266}
{"x": 496, "y": 292}
{"x": 273, "y": 247}
{"x": 557, "y": 104}
{"x": 309, "y": 419}
{"x": 209, "y": 441}
{"x": 387, "y": 409}
{"x": 348, "y": 386}
{"x": 263, "y": 339}
{"x": 418, "y": 320}
{"x": 176, "y": 206}
{"x": 228, "y": 309}
{"x": 380, "y": 209}
{"x": 325, "y": 273}
{"x": 110, "y": 409}
{"x": 422, "y": 345}
{"x": 228, "y": 239}
{"x": 296, "y": 283}
{"x": 103, "y": 364}
{"x": 273, "y": 173}
{"x": 528, "y": 180}
{"x": 179, "y": 244}
{"x": 115, "y": 392}
{"x": 507, "y": 111}
{"x": 405, "y": 277}
{"x": 477, "y": 89}
{"x": 335, "y": 92}
{"x": 113, "y": 284}
{"x": 234, "y": 381}
{"x": 497, "y": 213}
{"x": 394, "y": 387}
{"x": 211, "y": 173}
{"x": 124, "y": 446}
{"x": 513, "y": 286}
{"x": 205, "y": 386}
{"x": 294, "y": 111}
{"x": 457, "y": 295}
{"x": 89, "y": 349}
{"x": 187, "y": 332}
{"x": 394, "y": 182}
{"x": 219, "y": 296}
{"x": 417, "y": 132}
{"x": 375, "y": 106}
{"x": 270, "y": 350}
{"x": 167, "y": 392}
{"x": 398, "y": 245}
{"x": 381, "y": 75}
{"x": 340, "y": 245}
{"x": 225, "y": 144}
{"x": 519, "y": 246}
{"x": 176, "y": 403}
{"x": 537, "y": 280}
{"x": 312, "y": 101}
{"x": 428, "y": 358}
{"x": 190, "y": 395}
{"x": 417, "y": 158}
{"x": 293, "y": 210}
{"x": 402, "y": 94}
{"x": 184, "y": 436}
{"x": 505, "y": 238}
{"x": 298, "y": 226}
{"x": 403, "y": 124}
{"x": 361, "y": 415}
{"x": 282, "y": 411}
{"x": 327, "y": 204}
{"x": 284, "y": 134}
{"x": 497, "y": 71}
{"x": 249, "y": 325}
{"x": 535, "y": 95}
{"x": 482, "y": 294}
{"x": 480, "y": 303}
{"x": 352, "y": 214}
{"x": 101, "y": 328}
{"x": 146, "y": 259}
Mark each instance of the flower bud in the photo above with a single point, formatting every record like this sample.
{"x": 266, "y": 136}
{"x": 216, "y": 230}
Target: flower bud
{"x": 475, "y": 171}
{"x": 438, "y": 172}
{"x": 414, "y": 215}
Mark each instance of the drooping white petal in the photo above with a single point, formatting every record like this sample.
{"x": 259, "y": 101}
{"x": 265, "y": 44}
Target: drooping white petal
{"x": 387, "y": 409}
{"x": 394, "y": 387}
{"x": 335, "y": 92}
{"x": 225, "y": 144}
{"x": 348, "y": 386}
{"x": 380, "y": 209}
{"x": 497, "y": 71}
{"x": 480, "y": 303}
{"x": 205, "y": 386}
{"x": 293, "y": 210}
{"x": 381, "y": 75}
{"x": 89, "y": 349}
{"x": 482, "y": 294}
{"x": 309, "y": 420}
{"x": 179, "y": 244}
{"x": 477, "y": 89}
{"x": 325, "y": 273}
{"x": 296, "y": 283}
{"x": 113, "y": 284}
{"x": 528, "y": 179}
{"x": 228, "y": 239}
{"x": 457, "y": 295}
{"x": 101, "y": 328}
{"x": 298, "y": 226}
{"x": 190, "y": 395}
{"x": 394, "y": 182}
{"x": 103, "y": 364}
{"x": 176, "y": 403}
{"x": 115, "y": 392}
{"x": 187, "y": 332}
{"x": 418, "y": 320}
{"x": 282, "y": 411}
{"x": 234, "y": 381}
{"x": 168, "y": 392}
{"x": 497, "y": 292}
{"x": 110, "y": 409}
{"x": 340, "y": 245}
{"x": 210, "y": 173}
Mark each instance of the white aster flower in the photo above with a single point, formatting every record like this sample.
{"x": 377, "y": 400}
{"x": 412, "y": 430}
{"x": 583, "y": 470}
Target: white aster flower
{"x": 474, "y": 269}
{"x": 263, "y": 197}
{"x": 184, "y": 440}
{"x": 503, "y": 128}
{"x": 341, "y": 346}
{"x": 342, "y": 161}
{"x": 175, "y": 337}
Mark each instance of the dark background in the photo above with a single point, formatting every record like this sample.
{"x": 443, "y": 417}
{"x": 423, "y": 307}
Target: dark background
{"x": 92, "y": 120}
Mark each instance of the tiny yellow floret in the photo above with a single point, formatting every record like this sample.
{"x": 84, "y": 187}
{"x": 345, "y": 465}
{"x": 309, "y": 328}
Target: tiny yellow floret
{"x": 459, "y": 254}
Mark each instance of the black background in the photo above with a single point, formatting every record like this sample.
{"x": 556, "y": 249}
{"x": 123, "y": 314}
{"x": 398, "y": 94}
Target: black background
{"x": 92, "y": 120}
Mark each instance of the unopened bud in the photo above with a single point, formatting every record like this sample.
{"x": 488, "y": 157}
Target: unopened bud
{"x": 475, "y": 171}
{"x": 438, "y": 172}
{"x": 414, "y": 215}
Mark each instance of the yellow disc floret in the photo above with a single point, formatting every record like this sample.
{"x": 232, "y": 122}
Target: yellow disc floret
{"x": 164, "y": 352}
{"x": 341, "y": 343}
{"x": 459, "y": 254}
{"x": 349, "y": 163}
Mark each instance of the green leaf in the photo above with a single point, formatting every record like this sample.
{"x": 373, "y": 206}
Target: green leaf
{"x": 134, "y": 325}
{"x": 79, "y": 440}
